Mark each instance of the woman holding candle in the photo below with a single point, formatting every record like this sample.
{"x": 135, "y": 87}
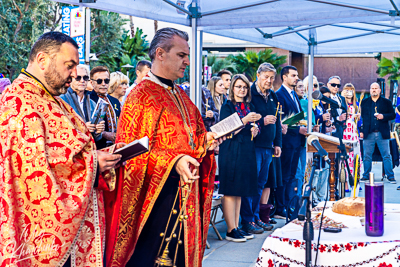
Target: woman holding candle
{"x": 237, "y": 157}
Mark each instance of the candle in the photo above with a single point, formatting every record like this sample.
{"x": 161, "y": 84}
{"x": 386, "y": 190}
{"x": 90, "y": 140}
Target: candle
{"x": 277, "y": 108}
{"x": 374, "y": 209}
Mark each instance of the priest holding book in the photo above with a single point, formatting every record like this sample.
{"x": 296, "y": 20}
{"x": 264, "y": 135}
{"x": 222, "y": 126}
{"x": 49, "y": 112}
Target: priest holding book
{"x": 152, "y": 218}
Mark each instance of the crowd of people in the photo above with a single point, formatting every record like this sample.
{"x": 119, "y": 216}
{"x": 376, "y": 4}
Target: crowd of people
{"x": 268, "y": 156}
{"x": 58, "y": 169}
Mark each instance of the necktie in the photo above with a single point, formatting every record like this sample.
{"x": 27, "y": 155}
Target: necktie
{"x": 295, "y": 101}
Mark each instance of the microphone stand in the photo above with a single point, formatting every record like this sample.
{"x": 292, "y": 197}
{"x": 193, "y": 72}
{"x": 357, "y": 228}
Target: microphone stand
{"x": 305, "y": 212}
{"x": 342, "y": 148}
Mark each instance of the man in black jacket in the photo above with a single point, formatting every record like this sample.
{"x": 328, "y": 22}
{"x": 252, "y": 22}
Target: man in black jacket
{"x": 268, "y": 143}
{"x": 100, "y": 79}
{"x": 376, "y": 112}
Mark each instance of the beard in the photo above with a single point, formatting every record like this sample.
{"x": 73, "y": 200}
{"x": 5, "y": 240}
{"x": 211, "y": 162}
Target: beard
{"x": 55, "y": 80}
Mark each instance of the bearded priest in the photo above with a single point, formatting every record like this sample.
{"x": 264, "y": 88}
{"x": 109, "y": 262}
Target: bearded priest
{"x": 160, "y": 211}
{"x": 51, "y": 175}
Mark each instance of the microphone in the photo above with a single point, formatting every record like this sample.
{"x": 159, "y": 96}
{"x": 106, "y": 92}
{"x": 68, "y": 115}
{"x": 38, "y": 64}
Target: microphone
{"x": 319, "y": 96}
{"x": 313, "y": 140}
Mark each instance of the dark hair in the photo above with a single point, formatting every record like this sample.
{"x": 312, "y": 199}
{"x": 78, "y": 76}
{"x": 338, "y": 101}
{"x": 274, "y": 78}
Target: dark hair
{"x": 98, "y": 69}
{"x": 320, "y": 84}
{"x": 224, "y": 71}
{"x": 285, "y": 70}
{"x": 140, "y": 65}
{"x": 324, "y": 90}
{"x": 163, "y": 38}
{"x": 232, "y": 95}
{"x": 50, "y": 43}
{"x": 248, "y": 77}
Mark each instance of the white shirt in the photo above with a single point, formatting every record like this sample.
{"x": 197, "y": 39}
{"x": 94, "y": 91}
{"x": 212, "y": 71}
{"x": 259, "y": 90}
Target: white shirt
{"x": 289, "y": 91}
{"x": 81, "y": 101}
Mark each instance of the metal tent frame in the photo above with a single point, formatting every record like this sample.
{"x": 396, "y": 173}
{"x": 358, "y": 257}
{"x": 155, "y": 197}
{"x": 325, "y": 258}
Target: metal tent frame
{"x": 225, "y": 20}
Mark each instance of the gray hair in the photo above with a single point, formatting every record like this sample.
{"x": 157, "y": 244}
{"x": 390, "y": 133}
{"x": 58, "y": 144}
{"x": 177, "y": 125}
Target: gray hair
{"x": 265, "y": 67}
{"x": 376, "y": 84}
{"x": 163, "y": 38}
{"x": 85, "y": 67}
{"x": 334, "y": 77}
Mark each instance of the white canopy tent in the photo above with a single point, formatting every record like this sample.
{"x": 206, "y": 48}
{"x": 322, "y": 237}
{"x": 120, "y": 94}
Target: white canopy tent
{"x": 304, "y": 26}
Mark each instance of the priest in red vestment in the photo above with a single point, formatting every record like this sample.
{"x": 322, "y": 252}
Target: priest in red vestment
{"x": 139, "y": 209}
{"x": 51, "y": 175}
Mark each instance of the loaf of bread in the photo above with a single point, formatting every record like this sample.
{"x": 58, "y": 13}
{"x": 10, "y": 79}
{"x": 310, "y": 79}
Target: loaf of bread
{"x": 350, "y": 206}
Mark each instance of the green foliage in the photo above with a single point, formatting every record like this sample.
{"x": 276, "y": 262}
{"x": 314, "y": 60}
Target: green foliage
{"x": 106, "y": 31}
{"x": 249, "y": 61}
{"x": 389, "y": 67}
{"x": 136, "y": 48}
{"x": 21, "y": 23}
{"x": 218, "y": 64}
{"x": 129, "y": 50}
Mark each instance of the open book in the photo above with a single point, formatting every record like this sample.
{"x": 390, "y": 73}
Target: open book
{"x": 133, "y": 149}
{"x": 99, "y": 111}
{"x": 293, "y": 119}
{"x": 227, "y": 126}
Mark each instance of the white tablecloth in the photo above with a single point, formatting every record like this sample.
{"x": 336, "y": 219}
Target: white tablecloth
{"x": 352, "y": 247}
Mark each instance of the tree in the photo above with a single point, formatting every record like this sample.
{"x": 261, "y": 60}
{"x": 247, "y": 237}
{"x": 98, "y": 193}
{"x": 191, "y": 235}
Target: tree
{"x": 106, "y": 43}
{"x": 218, "y": 64}
{"x": 249, "y": 61}
{"x": 21, "y": 23}
{"x": 135, "y": 48}
{"x": 389, "y": 67}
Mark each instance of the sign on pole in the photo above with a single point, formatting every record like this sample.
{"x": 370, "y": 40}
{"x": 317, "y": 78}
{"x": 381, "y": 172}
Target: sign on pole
{"x": 73, "y": 24}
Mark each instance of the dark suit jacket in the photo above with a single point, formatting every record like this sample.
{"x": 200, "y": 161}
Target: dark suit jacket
{"x": 384, "y": 107}
{"x": 292, "y": 139}
{"x": 117, "y": 108}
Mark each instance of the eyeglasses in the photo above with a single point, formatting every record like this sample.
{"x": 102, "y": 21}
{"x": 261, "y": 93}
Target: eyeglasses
{"x": 85, "y": 78}
{"x": 100, "y": 81}
{"x": 240, "y": 87}
{"x": 315, "y": 85}
{"x": 335, "y": 85}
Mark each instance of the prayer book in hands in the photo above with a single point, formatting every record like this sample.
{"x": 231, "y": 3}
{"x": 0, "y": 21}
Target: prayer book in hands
{"x": 227, "y": 126}
{"x": 99, "y": 111}
{"x": 293, "y": 119}
{"x": 133, "y": 149}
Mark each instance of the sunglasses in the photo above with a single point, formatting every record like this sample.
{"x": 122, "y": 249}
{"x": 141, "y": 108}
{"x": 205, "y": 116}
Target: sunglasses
{"x": 85, "y": 78}
{"x": 100, "y": 81}
{"x": 315, "y": 85}
{"x": 335, "y": 85}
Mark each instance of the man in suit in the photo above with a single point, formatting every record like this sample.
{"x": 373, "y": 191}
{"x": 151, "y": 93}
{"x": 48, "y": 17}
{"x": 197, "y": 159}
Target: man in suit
{"x": 334, "y": 84}
{"x": 292, "y": 141}
{"x": 100, "y": 79}
{"x": 376, "y": 112}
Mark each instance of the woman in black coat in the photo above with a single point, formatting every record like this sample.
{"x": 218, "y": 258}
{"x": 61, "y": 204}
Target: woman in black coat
{"x": 237, "y": 157}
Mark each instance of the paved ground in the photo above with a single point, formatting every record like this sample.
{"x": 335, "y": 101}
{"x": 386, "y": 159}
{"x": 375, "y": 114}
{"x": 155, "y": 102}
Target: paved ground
{"x": 230, "y": 254}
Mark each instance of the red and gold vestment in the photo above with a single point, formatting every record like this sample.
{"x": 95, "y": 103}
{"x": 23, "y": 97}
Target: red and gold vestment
{"x": 49, "y": 209}
{"x": 150, "y": 111}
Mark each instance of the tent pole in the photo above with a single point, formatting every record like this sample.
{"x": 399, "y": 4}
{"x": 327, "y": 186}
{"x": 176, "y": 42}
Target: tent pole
{"x": 199, "y": 93}
{"x": 87, "y": 36}
{"x": 193, "y": 55}
{"x": 310, "y": 86}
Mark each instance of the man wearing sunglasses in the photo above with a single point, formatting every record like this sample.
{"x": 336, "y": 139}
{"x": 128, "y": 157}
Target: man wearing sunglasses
{"x": 100, "y": 79}
{"x": 334, "y": 86}
{"x": 79, "y": 99}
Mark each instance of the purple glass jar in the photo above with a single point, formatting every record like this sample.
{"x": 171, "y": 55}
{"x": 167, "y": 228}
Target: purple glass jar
{"x": 374, "y": 209}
